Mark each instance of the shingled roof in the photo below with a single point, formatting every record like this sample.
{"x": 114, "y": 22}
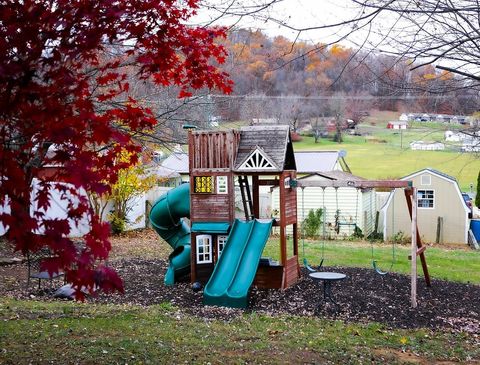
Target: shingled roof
{"x": 271, "y": 146}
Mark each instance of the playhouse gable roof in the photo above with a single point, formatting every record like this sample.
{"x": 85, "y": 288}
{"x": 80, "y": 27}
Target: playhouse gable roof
{"x": 265, "y": 148}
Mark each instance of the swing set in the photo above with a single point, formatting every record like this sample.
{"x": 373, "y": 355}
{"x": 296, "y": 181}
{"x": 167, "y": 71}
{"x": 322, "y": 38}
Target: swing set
{"x": 417, "y": 248}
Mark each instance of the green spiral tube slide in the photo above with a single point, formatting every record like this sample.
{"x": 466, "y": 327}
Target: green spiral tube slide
{"x": 166, "y": 218}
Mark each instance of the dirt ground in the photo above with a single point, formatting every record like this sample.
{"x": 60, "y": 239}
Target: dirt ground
{"x": 363, "y": 296}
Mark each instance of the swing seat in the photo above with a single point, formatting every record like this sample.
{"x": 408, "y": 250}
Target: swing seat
{"x": 309, "y": 268}
{"x": 377, "y": 269}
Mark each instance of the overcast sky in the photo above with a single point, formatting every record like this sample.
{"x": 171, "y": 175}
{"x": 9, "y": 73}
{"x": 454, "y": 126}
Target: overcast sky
{"x": 295, "y": 13}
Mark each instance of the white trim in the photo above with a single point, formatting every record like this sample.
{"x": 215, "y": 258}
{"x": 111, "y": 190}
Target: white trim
{"x": 418, "y": 199}
{"x": 258, "y": 160}
{"x": 200, "y": 241}
{"x": 454, "y": 182}
{"x": 385, "y": 211}
{"x": 222, "y": 184}
{"x": 224, "y": 238}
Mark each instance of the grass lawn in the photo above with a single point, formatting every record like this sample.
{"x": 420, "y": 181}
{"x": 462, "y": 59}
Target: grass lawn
{"x": 65, "y": 332}
{"x": 36, "y": 332}
{"x": 461, "y": 265}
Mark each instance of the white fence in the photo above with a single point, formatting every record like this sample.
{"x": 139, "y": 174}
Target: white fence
{"x": 58, "y": 210}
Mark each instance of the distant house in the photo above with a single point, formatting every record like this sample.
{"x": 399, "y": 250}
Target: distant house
{"x": 173, "y": 170}
{"x": 264, "y": 121}
{"x": 312, "y": 162}
{"x": 344, "y": 207}
{"x": 398, "y": 124}
{"x": 427, "y": 146}
{"x": 442, "y": 214}
{"x": 451, "y": 136}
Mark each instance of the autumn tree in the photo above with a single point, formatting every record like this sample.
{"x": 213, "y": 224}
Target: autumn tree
{"x": 65, "y": 102}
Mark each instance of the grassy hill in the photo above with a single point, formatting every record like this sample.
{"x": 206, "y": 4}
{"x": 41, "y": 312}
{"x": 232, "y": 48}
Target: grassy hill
{"x": 382, "y": 153}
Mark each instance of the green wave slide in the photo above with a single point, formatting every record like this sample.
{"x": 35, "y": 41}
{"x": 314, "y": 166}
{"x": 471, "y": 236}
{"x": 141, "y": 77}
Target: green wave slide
{"x": 166, "y": 217}
{"x": 236, "y": 268}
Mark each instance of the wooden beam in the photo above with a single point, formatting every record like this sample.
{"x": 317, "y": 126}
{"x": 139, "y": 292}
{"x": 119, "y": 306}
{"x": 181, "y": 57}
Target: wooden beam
{"x": 413, "y": 278}
{"x": 408, "y": 197}
{"x": 256, "y": 197}
{"x": 359, "y": 184}
{"x": 419, "y": 251}
{"x": 268, "y": 182}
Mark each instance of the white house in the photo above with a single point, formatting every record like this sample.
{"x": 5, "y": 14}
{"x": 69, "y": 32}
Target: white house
{"x": 427, "y": 146}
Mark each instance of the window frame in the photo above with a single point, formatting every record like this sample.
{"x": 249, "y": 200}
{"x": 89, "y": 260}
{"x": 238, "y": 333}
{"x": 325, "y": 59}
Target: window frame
{"x": 224, "y": 238}
{"x": 222, "y": 184}
{"x": 207, "y": 249}
{"x": 199, "y": 178}
{"x": 426, "y": 198}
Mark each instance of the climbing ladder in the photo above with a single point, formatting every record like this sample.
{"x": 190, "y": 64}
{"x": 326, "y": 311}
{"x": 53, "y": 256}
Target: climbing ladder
{"x": 246, "y": 197}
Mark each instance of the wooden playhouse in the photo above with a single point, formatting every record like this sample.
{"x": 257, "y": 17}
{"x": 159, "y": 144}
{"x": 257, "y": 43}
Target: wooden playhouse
{"x": 225, "y": 165}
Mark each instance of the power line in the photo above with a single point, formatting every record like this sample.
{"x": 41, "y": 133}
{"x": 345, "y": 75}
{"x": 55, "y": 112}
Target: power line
{"x": 340, "y": 97}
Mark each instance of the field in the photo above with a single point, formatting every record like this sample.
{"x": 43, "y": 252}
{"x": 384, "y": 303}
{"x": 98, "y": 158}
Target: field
{"x": 384, "y": 153}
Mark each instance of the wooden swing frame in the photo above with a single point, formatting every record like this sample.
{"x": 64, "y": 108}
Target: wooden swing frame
{"x": 417, "y": 248}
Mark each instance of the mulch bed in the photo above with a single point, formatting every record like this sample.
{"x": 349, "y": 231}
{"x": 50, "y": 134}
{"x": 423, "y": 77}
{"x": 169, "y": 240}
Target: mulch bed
{"x": 363, "y": 297}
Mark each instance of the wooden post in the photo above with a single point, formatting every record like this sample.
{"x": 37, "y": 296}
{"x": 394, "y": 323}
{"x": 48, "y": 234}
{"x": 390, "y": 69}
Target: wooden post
{"x": 414, "y": 249}
{"x": 256, "y": 196}
{"x": 439, "y": 237}
{"x": 409, "y": 198}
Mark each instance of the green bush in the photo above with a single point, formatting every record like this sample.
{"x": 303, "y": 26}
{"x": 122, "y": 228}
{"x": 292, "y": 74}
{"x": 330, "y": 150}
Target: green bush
{"x": 117, "y": 224}
{"x": 311, "y": 224}
{"x": 477, "y": 197}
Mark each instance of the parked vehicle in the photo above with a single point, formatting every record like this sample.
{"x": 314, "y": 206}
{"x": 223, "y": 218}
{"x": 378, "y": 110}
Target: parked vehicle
{"x": 469, "y": 203}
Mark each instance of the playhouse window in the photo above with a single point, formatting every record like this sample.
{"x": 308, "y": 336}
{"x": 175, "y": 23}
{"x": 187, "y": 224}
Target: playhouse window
{"x": 222, "y": 185}
{"x": 204, "y": 249}
{"x": 204, "y": 184}
{"x": 221, "y": 241}
{"x": 425, "y": 198}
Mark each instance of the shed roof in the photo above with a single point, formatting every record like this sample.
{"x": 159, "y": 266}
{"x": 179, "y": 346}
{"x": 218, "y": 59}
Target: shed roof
{"x": 177, "y": 162}
{"x": 335, "y": 175}
{"x": 309, "y": 162}
{"x": 433, "y": 171}
{"x": 272, "y": 141}
{"x": 342, "y": 175}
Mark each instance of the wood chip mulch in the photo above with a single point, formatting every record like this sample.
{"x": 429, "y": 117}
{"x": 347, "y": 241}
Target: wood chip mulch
{"x": 363, "y": 297}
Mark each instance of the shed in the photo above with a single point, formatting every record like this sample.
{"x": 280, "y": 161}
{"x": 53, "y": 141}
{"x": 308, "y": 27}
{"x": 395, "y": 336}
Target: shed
{"x": 174, "y": 169}
{"x": 354, "y": 206}
{"x": 312, "y": 162}
{"x": 442, "y": 213}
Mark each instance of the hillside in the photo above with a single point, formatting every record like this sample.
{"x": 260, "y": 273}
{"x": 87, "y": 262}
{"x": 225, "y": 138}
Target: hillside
{"x": 384, "y": 153}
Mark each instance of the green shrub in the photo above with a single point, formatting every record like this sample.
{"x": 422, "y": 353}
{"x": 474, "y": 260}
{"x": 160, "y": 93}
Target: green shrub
{"x": 117, "y": 224}
{"x": 311, "y": 224}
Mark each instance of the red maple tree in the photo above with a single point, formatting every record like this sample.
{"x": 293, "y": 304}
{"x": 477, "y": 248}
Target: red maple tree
{"x": 64, "y": 102}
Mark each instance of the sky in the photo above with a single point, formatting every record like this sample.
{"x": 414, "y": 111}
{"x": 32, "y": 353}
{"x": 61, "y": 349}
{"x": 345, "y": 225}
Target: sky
{"x": 295, "y": 13}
